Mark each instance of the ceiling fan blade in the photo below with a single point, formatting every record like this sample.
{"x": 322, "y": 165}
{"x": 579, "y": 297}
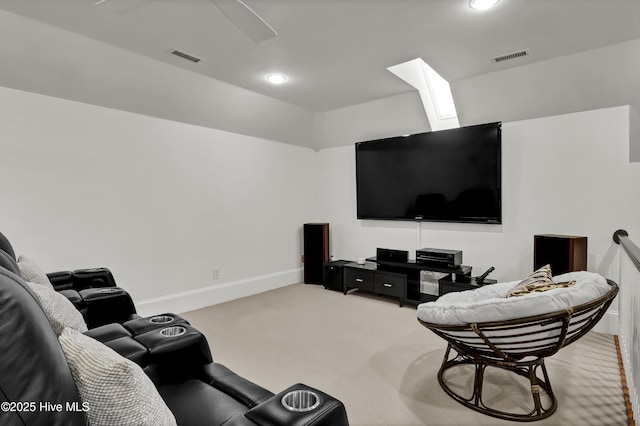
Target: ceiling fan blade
{"x": 122, "y": 7}
{"x": 246, "y": 19}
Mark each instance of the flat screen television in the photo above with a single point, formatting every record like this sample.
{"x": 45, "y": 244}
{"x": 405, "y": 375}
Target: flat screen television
{"x": 443, "y": 176}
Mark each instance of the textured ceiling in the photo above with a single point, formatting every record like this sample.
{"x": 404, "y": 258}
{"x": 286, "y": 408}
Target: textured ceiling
{"x": 336, "y": 52}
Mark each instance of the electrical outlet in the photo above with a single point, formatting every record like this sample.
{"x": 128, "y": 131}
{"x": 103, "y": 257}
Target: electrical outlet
{"x": 216, "y": 273}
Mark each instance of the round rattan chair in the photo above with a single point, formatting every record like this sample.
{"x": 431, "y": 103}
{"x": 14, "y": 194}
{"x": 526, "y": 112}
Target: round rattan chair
{"x": 519, "y": 346}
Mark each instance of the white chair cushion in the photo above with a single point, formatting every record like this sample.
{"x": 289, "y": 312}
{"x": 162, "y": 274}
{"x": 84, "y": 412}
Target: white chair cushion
{"x": 489, "y": 303}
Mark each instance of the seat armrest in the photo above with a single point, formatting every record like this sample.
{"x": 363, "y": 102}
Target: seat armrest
{"x": 306, "y": 406}
{"x": 108, "y": 332}
{"x": 180, "y": 346}
{"x": 221, "y": 378}
{"x": 81, "y": 279}
{"x": 93, "y": 278}
{"x": 74, "y": 297}
{"x": 130, "y": 349}
{"x": 107, "y": 305}
{"x": 61, "y": 280}
{"x": 118, "y": 338}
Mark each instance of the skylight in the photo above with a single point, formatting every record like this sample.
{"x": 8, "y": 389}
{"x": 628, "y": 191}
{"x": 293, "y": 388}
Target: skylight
{"x": 434, "y": 91}
{"x": 440, "y": 94}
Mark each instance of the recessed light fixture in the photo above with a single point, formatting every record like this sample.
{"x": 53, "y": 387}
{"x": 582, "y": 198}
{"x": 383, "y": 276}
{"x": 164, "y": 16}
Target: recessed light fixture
{"x": 482, "y": 4}
{"x": 276, "y": 78}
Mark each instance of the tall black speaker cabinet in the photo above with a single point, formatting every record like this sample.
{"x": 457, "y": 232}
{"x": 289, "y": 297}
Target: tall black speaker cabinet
{"x": 565, "y": 253}
{"x": 316, "y": 251}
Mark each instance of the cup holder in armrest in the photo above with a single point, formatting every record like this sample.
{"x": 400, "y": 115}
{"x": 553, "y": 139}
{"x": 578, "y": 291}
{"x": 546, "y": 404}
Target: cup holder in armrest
{"x": 300, "y": 400}
{"x": 108, "y": 290}
{"x": 297, "y": 405}
{"x": 143, "y": 325}
{"x": 176, "y": 330}
{"x": 161, "y": 319}
{"x": 175, "y": 344}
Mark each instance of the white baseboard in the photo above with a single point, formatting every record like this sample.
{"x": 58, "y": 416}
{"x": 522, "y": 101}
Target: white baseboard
{"x": 212, "y": 295}
{"x": 608, "y": 324}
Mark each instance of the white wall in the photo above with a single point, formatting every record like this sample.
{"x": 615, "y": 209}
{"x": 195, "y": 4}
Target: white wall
{"x": 567, "y": 174}
{"x": 162, "y": 203}
{"x": 392, "y": 116}
{"x": 159, "y": 202}
{"x": 599, "y": 78}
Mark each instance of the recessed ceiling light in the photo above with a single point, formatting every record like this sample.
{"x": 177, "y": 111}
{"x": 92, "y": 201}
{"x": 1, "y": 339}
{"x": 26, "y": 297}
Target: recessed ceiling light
{"x": 276, "y": 78}
{"x": 482, "y": 4}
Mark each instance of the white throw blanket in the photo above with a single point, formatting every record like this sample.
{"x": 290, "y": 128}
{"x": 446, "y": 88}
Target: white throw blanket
{"x": 488, "y": 303}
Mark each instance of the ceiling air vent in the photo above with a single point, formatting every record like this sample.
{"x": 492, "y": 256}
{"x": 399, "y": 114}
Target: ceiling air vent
{"x": 512, "y": 55}
{"x": 186, "y": 56}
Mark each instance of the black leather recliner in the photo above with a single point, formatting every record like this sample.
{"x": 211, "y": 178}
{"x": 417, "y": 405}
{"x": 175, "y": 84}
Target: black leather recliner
{"x": 197, "y": 390}
{"x": 78, "y": 280}
{"x": 92, "y": 291}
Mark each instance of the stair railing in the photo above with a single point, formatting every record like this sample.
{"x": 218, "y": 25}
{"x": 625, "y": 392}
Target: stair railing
{"x": 629, "y": 314}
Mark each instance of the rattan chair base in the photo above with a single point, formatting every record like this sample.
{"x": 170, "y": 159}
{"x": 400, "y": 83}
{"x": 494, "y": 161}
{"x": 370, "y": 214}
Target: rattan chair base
{"x": 527, "y": 369}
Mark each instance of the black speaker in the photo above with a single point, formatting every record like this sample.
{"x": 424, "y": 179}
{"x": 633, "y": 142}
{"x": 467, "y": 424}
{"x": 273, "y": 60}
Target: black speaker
{"x": 333, "y": 275}
{"x": 565, "y": 253}
{"x": 389, "y": 255}
{"x": 316, "y": 251}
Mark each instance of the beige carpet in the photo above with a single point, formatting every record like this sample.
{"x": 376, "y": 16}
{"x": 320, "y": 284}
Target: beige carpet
{"x": 381, "y": 363}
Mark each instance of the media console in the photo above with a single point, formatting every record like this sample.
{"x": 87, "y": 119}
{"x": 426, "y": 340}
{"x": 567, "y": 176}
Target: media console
{"x": 409, "y": 282}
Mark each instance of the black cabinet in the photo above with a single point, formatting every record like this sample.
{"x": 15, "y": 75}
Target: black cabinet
{"x": 404, "y": 280}
{"x": 368, "y": 278}
{"x": 414, "y": 273}
{"x": 333, "y": 275}
{"x": 359, "y": 276}
{"x": 390, "y": 284}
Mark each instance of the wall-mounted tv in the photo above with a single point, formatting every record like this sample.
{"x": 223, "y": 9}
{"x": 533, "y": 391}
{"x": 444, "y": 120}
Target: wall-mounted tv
{"x": 450, "y": 175}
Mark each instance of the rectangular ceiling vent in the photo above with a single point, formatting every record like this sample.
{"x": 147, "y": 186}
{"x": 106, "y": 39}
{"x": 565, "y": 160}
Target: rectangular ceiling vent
{"x": 186, "y": 56}
{"x": 512, "y": 55}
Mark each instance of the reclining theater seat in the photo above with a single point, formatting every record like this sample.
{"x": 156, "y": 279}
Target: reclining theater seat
{"x": 197, "y": 391}
{"x": 33, "y": 367}
{"x": 77, "y": 280}
{"x": 92, "y": 291}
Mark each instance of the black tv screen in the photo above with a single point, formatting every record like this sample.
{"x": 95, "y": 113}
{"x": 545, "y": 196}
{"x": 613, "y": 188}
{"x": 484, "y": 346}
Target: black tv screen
{"x": 443, "y": 176}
